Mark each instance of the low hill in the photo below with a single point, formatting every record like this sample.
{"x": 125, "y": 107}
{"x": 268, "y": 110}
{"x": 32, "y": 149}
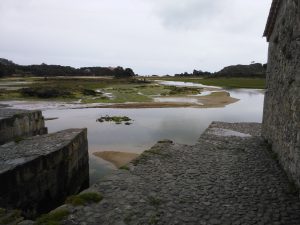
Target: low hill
{"x": 252, "y": 70}
{"x": 8, "y": 68}
{"x": 247, "y": 71}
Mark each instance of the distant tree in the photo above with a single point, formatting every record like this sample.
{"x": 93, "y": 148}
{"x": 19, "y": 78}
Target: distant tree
{"x": 129, "y": 72}
{"x": 121, "y": 73}
{"x": 8, "y": 68}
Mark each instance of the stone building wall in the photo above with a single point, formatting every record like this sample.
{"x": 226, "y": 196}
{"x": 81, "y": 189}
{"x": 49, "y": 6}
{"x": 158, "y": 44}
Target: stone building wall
{"x": 19, "y": 123}
{"x": 281, "y": 119}
{"x": 38, "y": 173}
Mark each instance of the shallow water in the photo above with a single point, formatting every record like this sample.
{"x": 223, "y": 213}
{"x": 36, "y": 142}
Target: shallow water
{"x": 185, "y": 84}
{"x": 178, "y": 100}
{"x": 182, "y": 125}
{"x": 13, "y": 85}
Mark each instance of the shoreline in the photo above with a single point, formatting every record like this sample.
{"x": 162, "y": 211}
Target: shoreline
{"x": 118, "y": 159}
{"x": 214, "y": 100}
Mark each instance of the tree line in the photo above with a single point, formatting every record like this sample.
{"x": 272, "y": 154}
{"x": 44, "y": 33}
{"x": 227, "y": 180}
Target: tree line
{"x": 8, "y": 68}
{"x": 252, "y": 70}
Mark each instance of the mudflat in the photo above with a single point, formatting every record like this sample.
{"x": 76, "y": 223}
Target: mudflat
{"x": 118, "y": 159}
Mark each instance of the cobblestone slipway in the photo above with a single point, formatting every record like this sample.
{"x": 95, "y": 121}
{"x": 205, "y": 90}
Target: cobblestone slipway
{"x": 228, "y": 177}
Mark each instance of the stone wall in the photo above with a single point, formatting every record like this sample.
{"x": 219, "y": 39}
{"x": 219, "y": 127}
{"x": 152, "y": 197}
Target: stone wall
{"x": 281, "y": 120}
{"x": 19, "y": 123}
{"x": 38, "y": 173}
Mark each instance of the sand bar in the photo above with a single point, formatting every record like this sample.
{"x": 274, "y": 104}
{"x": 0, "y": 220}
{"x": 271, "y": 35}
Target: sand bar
{"x": 117, "y": 158}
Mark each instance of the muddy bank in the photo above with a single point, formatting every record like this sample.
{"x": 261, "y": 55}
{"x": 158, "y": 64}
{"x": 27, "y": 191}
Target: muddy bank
{"x": 118, "y": 159}
{"x": 214, "y": 100}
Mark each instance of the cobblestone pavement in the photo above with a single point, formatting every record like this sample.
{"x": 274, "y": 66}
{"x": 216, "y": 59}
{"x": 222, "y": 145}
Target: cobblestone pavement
{"x": 223, "y": 179}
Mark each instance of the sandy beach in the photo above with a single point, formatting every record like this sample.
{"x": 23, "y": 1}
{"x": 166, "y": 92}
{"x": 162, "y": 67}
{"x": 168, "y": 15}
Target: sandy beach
{"x": 118, "y": 159}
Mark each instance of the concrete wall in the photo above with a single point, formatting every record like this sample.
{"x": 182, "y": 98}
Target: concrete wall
{"x": 20, "y": 123}
{"x": 281, "y": 119}
{"x": 38, "y": 173}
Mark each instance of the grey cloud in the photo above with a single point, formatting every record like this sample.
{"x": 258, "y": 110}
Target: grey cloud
{"x": 188, "y": 14}
{"x": 151, "y": 36}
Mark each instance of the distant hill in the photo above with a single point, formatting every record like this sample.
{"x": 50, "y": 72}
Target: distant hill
{"x": 8, "y": 68}
{"x": 6, "y": 62}
{"x": 252, "y": 70}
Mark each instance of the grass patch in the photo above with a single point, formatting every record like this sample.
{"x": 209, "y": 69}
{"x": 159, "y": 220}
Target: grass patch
{"x": 53, "y": 218}
{"x": 150, "y": 90}
{"x": 2, "y": 212}
{"x": 183, "y": 90}
{"x": 116, "y": 119}
{"x": 154, "y": 201}
{"x": 128, "y": 218}
{"x": 139, "y": 159}
{"x": 124, "y": 168}
{"x": 153, "y": 151}
{"x": 145, "y": 154}
{"x": 154, "y": 219}
{"x": 84, "y": 198}
{"x": 72, "y": 88}
{"x": 255, "y": 83}
{"x": 17, "y": 140}
{"x": 9, "y": 217}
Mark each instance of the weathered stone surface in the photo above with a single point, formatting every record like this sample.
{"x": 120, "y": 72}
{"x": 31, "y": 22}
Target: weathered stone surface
{"x": 223, "y": 179}
{"x": 15, "y": 123}
{"x": 281, "y": 120}
{"x": 37, "y": 173}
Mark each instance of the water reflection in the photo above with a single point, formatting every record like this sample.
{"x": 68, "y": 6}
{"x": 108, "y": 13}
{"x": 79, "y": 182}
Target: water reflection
{"x": 185, "y": 84}
{"x": 182, "y": 125}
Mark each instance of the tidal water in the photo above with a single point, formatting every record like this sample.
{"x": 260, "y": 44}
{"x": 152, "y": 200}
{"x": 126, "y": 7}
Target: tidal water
{"x": 182, "y": 125}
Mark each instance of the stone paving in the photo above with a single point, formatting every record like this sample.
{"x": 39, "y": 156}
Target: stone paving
{"x": 223, "y": 179}
{"x": 25, "y": 150}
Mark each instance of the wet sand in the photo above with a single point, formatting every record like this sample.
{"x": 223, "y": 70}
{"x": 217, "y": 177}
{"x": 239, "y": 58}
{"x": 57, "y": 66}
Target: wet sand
{"x": 118, "y": 159}
{"x": 214, "y": 100}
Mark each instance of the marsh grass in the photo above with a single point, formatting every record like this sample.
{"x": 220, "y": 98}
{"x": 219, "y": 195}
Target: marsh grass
{"x": 10, "y": 217}
{"x": 17, "y": 140}
{"x": 53, "y": 218}
{"x": 84, "y": 198}
{"x": 116, "y": 119}
{"x": 124, "y": 168}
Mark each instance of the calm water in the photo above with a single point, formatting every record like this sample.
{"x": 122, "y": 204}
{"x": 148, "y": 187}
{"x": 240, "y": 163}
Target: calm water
{"x": 182, "y": 125}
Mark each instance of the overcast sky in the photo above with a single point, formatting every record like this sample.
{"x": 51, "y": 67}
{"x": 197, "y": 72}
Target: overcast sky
{"x": 150, "y": 36}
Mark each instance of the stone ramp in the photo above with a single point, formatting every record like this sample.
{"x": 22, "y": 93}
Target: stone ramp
{"x": 228, "y": 177}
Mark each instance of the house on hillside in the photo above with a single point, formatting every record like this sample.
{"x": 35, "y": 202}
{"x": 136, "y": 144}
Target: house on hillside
{"x": 281, "y": 119}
